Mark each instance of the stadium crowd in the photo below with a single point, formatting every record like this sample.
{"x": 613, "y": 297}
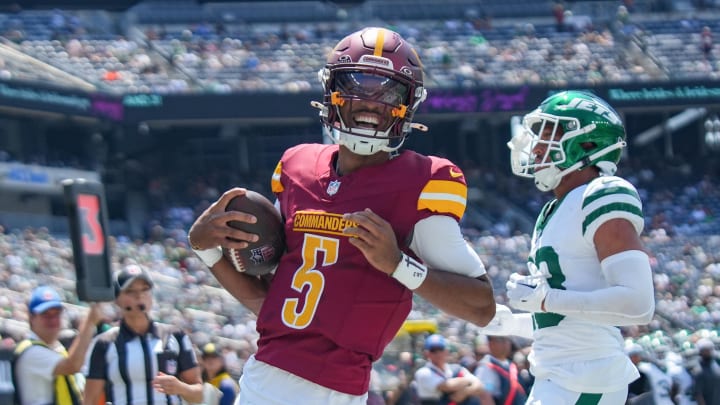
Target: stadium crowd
{"x": 682, "y": 230}
{"x": 223, "y": 54}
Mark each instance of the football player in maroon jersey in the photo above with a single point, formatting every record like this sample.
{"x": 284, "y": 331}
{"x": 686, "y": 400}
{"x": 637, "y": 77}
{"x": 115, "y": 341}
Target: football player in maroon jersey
{"x": 366, "y": 225}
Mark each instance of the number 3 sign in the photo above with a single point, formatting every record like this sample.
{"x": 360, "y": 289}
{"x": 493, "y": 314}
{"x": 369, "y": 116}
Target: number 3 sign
{"x": 87, "y": 214}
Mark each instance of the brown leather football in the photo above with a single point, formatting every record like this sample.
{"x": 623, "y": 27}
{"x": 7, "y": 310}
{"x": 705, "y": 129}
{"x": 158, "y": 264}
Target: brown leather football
{"x": 260, "y": 257}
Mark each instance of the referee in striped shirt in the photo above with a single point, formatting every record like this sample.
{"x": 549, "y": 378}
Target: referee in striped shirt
{"x": 141, "y": 361}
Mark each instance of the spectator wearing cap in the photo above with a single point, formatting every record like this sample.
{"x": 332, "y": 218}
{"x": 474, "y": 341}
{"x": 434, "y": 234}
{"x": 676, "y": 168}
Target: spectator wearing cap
{"x": 499, "y": 374}
{"x": 439, "y": 382}
{"x": 215, "y": 373}
{"x": 141, "y": 361}
{"x": 43, "y": 370}
{"x": 707, "y": 374}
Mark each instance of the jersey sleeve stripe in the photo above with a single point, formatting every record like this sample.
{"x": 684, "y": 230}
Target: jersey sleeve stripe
{"x": 609, "y": 191}
{"x": 275, "y": 183}
{"x": 620, "y": 210}
{"x": 447, "y": 187}
{"x": 444, "y": 196}
{"x": 611, "y": 199}
{"x": 442, "y": 206}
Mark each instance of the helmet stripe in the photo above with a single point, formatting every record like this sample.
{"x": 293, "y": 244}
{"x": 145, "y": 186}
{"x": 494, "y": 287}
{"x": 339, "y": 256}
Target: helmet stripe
{"x": 379, "y": 42}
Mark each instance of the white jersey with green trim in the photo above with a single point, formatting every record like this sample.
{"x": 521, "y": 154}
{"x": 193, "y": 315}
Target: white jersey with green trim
{"x": 577, "y": 354}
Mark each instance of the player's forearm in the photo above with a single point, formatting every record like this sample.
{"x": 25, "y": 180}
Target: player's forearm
{"x": 614, "y": 306}
{"x": 460, "y": 296}
{"x": 629, "y": 300}
{"x": 249, "y": 290}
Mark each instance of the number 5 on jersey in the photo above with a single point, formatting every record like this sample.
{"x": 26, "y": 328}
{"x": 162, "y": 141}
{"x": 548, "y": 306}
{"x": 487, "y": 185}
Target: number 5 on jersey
{"x": 307, "y": 276}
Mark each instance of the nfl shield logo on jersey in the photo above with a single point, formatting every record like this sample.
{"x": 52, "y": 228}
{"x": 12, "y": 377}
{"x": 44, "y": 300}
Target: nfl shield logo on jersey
{"x": 333, "y": 187}
{"x": 262, "y": 254}
{"x": 171, "y": 367}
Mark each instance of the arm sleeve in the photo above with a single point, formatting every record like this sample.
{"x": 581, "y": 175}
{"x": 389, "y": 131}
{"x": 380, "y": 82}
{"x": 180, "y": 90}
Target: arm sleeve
{"x": 439, "y": 243}
{"x": 42, "y": 361}
{"x": 628, "y": 300}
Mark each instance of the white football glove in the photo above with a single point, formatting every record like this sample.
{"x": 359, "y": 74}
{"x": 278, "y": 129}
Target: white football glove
{"x": 527, "y": 292}
{"x": 500, "y": 323}
{"x": 506, "y": 323}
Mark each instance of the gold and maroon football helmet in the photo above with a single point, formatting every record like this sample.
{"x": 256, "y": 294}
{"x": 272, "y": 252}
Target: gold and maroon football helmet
{"x": 376, "y": 65}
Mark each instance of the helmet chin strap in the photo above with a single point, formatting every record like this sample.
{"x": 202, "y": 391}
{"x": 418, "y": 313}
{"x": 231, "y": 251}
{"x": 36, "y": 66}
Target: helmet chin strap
{"x": 360, "y": 141}
{"x": 548, "y": 179}
{"x": 363, "y": 141}
{"x": 363, "y": 145}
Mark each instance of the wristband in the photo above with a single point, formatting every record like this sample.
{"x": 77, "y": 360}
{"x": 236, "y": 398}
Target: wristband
{"x": 410, "y": 272}
{"x": 209, "y": 256}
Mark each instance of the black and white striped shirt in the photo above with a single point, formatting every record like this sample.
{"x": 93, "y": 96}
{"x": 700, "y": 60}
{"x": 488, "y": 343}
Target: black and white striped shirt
{"x": 128, "y": 362}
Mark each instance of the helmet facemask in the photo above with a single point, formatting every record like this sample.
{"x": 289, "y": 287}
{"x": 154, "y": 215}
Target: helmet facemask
{"x": 369, "y": 111}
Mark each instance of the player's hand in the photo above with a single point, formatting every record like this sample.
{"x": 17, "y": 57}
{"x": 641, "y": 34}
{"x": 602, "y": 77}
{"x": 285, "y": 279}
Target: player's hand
{"x": 375, "y": 238}
{"x": 526, "y": 292}
{"x": 501, "y": 324}
{"x": 211, "y": 228}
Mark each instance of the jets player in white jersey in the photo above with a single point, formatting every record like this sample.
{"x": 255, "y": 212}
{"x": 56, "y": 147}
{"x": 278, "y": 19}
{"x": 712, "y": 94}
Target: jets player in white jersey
{"x": 587, "y": 273}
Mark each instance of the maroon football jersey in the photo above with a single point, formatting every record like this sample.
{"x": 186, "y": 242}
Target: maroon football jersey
{"x": 329, "y": 314}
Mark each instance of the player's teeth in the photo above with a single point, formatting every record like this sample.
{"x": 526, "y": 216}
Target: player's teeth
{"x": 366, "y": 119}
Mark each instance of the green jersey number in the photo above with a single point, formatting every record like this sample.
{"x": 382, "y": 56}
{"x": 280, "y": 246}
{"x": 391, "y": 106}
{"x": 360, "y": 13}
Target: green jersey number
{"x": 547, "y": 255}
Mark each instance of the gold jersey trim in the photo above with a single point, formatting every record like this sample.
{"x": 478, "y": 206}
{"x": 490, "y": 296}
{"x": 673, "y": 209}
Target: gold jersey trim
{"x": 444, "y": 196}
{"x": 321, "y": 222}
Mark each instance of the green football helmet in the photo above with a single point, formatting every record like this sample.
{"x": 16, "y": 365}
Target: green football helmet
{"x": 577, "y": 129}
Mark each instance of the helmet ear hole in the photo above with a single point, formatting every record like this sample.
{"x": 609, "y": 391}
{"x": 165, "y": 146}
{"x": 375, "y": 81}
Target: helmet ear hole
{"x": 588, "y": 145}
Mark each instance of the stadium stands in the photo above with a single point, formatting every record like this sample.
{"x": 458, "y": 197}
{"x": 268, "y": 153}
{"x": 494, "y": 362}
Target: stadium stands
{"x": 183, "y": 46}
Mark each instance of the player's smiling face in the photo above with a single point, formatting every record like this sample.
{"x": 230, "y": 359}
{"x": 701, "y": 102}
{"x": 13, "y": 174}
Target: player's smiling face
{"x": 366, "y": 114}
{"x": 369, "y": 99}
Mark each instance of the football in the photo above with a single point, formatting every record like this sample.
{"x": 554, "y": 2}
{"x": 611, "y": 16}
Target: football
{"x": 260, "y": 257}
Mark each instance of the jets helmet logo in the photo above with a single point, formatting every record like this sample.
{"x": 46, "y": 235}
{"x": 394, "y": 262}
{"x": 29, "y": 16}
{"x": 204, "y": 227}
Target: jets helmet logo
{"x": 597, "y": 108}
